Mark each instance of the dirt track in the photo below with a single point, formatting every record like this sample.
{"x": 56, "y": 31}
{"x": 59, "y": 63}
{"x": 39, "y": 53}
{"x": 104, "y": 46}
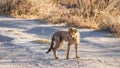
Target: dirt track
{"x": 18, "y": 51}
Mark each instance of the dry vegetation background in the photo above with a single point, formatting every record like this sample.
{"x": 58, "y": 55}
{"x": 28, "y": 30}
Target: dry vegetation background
{"x": 97, "y": 14}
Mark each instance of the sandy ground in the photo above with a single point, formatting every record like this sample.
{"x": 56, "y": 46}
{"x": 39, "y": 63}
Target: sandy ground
{"x": 17, "y": 49}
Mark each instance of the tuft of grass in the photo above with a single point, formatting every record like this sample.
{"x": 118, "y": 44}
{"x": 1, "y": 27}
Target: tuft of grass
{"x": 46, "y": 41}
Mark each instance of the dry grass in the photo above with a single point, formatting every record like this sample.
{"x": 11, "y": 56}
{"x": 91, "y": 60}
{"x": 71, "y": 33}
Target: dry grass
{"x": 115, "y": 30}
{"x": 102, "y": 14}
{"x": 19, "y": 8}
{"x": 24, "y": 9}
{"x": 42, "y": 41}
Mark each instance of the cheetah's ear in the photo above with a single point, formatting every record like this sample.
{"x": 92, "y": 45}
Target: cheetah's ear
{"x": 70, "y": 29}
{"x": 75, "y": 30}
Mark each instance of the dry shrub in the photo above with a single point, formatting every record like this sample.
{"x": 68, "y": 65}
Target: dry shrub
{"x": 103, "y": 15}
{"x": 5, "y": 8}
{"x": 24, "y": 8}
{"x": 109, "y": 22}
{"x": 116, "y": 30}
{"x": 46, "y": 9}
{"x": 20, "y": 8}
